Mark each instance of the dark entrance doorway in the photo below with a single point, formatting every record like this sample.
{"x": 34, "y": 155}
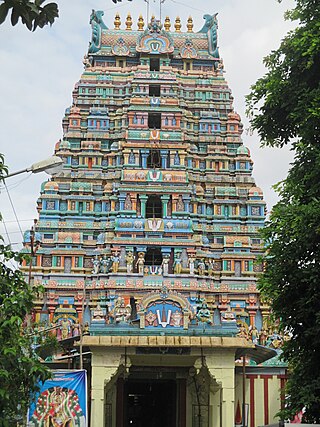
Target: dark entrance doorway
{"x": 150, "y": 403}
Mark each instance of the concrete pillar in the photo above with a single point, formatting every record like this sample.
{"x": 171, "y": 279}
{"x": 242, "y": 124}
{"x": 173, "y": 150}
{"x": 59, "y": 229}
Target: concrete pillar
{"x": 221, "y": 367}
{"x": 105, "y": 364}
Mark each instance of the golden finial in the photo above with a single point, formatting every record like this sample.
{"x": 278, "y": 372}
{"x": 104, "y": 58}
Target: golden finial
{"x": 117, "y": 22}
{"x": 129, "y": 22}
{"x": 177, "y": 25}
{"x": 140, "y": 23}
{"x": 190, "y": 25}
{"x": 167, "y": 23}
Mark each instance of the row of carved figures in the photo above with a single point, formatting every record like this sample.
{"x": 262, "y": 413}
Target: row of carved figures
{"x": 266, "y": 337}
{"x": 105, "y": 265}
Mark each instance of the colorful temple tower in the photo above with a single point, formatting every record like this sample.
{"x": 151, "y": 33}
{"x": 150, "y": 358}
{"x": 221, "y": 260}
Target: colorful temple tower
{"x": 149, "y": 236}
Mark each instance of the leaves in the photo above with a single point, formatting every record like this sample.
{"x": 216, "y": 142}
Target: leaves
{"x": 284, "y": 107}
{"x": 20, "y": 368}
{"x": 33, "y": 14}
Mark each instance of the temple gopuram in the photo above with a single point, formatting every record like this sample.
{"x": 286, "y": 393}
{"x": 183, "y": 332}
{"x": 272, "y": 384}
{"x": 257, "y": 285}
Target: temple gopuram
{"x": 148, "y": 239}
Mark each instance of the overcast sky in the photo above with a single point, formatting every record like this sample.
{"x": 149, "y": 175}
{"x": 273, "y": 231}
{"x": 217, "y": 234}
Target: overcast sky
{"x": 40, "y": 69}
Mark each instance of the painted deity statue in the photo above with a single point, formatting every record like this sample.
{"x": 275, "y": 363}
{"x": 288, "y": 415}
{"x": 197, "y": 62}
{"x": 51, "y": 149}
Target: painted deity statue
{"x": 191, "y": 263}
{"x": 254, "y": 334}
{"x": 65, "y": 327}
{"x": 115, "y": 262}
{"x": 128, "y": 203}
{"x": 104, "y": 264}
{"x": 76, "y": 329}
{"x": 140, "y": 262}
{"x": 121, "y": 312}
{"x": 165, "y": 264}
{"x": 201, "y": 267}
{"x": 96, "y": 265}
{"x": 129, "y": 262}
{"x": 177, "y": 264}
{"x": 210, "y": 267}
{"x": 204, "y": 314}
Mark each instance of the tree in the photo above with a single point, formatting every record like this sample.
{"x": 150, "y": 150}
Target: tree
{"x": 33, "y": 14}
{"x": 284, "y": 107}
{"x": 20, "y": 367}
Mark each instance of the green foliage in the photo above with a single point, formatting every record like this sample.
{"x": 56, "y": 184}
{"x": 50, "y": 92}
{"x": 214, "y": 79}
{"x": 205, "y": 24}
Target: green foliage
{"x": 33, "y": 14}
{"x": 20, "y": 367}
{"x": 284, "y": 107}
{"x": 285, "y": 103}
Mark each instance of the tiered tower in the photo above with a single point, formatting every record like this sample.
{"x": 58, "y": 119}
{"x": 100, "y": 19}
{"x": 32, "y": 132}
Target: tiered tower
{"x": 151, "y": 229}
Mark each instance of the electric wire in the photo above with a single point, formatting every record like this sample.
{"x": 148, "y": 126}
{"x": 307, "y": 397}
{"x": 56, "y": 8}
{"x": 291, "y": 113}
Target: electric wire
{"x": 187, "y": 6}
{"x": 6, "y": 231}
{"x": 17, "y": 183}
{"x": 10, "y": 243}
{"x": 13, "y": 208}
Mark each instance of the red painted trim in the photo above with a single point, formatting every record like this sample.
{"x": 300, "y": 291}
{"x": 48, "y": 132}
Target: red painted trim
{"x": 266, "y": 396}
{"x": 252, "y": 402}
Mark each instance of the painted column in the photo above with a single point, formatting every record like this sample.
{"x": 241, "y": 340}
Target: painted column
{"x": 165, "y": 199}
{"x": 164, "y": 158}
{"x": 186, "y": 200}
{"x": 143, "y": 199}
{"x": 104, "y": 364}
{"x": 122, "y": 198}
{"x": 144, "y": 157}
{"x": 221, "y": 367}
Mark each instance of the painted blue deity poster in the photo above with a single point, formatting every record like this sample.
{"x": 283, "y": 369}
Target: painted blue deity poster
{"x": 62, "y": 401}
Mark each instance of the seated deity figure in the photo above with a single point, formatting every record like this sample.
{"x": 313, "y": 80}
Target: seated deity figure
{"x": 121, "y": 312}
{"x": 204, "y": 314}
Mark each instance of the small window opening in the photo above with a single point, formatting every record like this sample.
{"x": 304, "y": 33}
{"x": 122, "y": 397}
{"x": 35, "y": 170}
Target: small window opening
{"x": 154, "y": 64}
{"x": 154, "y": 120}
{"x": 154, "y": 207}
{"x": 153, "y": 256}
{"x": 154, "y": 90}
{"x": 154, "y": 160}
